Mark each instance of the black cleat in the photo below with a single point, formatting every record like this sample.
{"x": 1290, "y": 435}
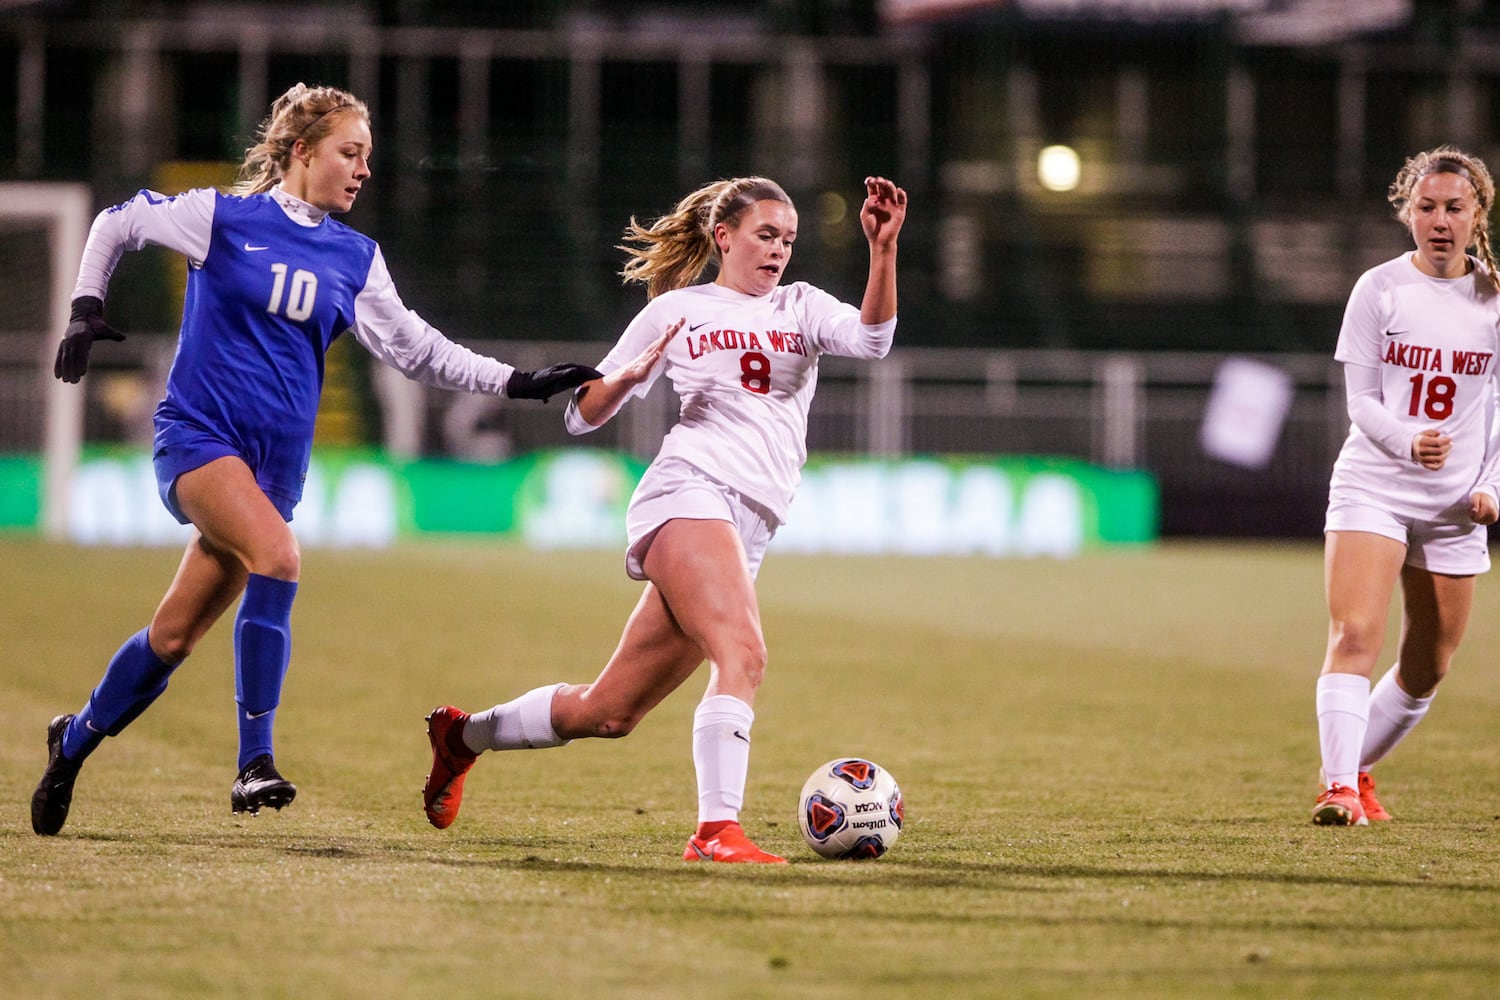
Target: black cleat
{"x": 54, "y": 793}
{"x": 259, "y": 784}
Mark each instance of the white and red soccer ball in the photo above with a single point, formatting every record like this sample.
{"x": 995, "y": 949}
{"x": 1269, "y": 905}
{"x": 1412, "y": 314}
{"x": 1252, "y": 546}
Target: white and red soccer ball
{"x": 851, "y": 808}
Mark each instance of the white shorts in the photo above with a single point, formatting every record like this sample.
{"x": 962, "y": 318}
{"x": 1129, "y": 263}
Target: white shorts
{"x": 673, "y": 488}
{"x": 1452, "y": 548}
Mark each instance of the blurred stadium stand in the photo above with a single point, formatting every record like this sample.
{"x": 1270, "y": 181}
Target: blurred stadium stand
{"x": 1234, "y": 156}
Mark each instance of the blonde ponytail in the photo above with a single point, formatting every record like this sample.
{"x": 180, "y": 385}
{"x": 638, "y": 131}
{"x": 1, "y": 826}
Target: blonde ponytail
{"x": 673, "y": 251}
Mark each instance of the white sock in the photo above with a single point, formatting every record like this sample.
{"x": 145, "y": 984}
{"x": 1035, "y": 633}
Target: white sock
{"x": 721, "y": 756}
{"x": 1393, "y": 714}
{"x": 1343, "y": 713}
{"x": 524, "y": 723}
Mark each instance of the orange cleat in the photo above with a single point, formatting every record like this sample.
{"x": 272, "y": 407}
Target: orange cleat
{"x": 731, "y": 845}
{"x": 1374, "y": 811}
{"x": 444, "y": 790}
{"x": 1339, "y": 806}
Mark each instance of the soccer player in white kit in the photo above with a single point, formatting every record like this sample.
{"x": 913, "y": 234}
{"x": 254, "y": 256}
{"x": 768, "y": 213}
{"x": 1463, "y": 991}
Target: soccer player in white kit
{"x": 1414, "y": 485}
{"x": 742, "y": 353}
{"x": 272, "y": 281}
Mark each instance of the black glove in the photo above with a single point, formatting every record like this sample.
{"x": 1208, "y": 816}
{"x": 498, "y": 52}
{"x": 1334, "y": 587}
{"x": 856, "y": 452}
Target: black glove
{"x": 85, "y": 326}
{"x": 544, "y": 383}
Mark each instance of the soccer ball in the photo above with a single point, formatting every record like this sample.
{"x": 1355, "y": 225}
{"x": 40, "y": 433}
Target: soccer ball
{"x": 851, "y": 808}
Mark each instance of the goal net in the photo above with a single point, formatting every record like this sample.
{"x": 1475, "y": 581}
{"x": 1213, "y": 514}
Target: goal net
{"x": 43, "y": 227}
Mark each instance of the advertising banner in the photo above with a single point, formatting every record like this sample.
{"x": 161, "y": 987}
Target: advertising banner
{"x": 576, "y": 498}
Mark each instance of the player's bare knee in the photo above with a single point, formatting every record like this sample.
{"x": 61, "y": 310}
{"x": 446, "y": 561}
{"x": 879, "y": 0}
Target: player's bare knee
{"x": 579, "y": 711}
{"x": 283, "y": 562}
{"x": 1351, "y": 640}
{"x": 755, "y": 675}
{"x": 753, "y": 662}
{"x": 616, "y": 727}
{"x": 1419, "y": 677}
{"x": 170, "y": 645}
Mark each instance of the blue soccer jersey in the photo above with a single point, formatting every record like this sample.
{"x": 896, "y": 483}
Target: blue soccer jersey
{"x": 258, "y": 319}
{"x": 272, "y": 282}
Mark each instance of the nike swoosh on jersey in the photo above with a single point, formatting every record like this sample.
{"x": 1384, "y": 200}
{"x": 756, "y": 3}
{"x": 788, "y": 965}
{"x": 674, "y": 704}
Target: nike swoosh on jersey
{"x": 1397, "y": 333}
{"x": 696, "y": 325}
{"x": 251, "y": 249}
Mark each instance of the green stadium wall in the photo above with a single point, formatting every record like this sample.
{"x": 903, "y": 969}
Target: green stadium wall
{"x": 576, "y": 498}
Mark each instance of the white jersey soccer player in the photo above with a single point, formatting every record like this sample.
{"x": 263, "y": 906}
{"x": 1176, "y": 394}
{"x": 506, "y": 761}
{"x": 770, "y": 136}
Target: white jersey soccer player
{"x": 1413, "y": 491}
{"x": 742, "y": 353}
{"x": 745, "y": 369}
{"x": 1418, "y": 352}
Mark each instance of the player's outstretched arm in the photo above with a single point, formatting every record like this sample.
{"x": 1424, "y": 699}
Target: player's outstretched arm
{"x": 544, "y": 383}
{"x": 599, "y": 401}
{"x": 85, "y": 325}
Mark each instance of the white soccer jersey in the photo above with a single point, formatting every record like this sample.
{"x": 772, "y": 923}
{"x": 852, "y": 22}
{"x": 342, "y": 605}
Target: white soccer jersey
{"x": 745, "y": 369}
{"x": 1434, "y": 342}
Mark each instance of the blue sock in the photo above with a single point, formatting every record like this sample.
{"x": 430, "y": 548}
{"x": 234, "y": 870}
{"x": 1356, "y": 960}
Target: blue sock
{"x": 262, "y": 649}
{"x": 135, "y": 678}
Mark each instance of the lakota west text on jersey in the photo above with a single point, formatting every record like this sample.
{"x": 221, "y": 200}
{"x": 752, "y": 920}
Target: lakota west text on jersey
{"x": 1430, "y": 359}
{"x": 777, "y": 341}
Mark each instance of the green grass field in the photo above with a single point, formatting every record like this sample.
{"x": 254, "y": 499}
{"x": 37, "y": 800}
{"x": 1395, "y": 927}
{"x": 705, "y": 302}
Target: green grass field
{"x": 1108, "y": 765}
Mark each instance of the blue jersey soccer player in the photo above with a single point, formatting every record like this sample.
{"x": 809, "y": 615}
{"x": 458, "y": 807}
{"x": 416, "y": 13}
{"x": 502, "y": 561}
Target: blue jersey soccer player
{"x": 272, "y": 281}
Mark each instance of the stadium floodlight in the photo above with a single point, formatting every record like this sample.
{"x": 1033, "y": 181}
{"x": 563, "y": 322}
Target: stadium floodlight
{"x": 1058, "y": 168}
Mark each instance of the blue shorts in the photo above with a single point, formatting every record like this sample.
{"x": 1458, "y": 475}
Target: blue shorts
{"x": 182, "y": 446}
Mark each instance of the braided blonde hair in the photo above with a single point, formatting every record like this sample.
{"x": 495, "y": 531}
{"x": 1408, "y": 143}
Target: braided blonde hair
{"x": 673, "y": 251}
{"x": 303, "y": 112}
{"x": 1451, "y": 160}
